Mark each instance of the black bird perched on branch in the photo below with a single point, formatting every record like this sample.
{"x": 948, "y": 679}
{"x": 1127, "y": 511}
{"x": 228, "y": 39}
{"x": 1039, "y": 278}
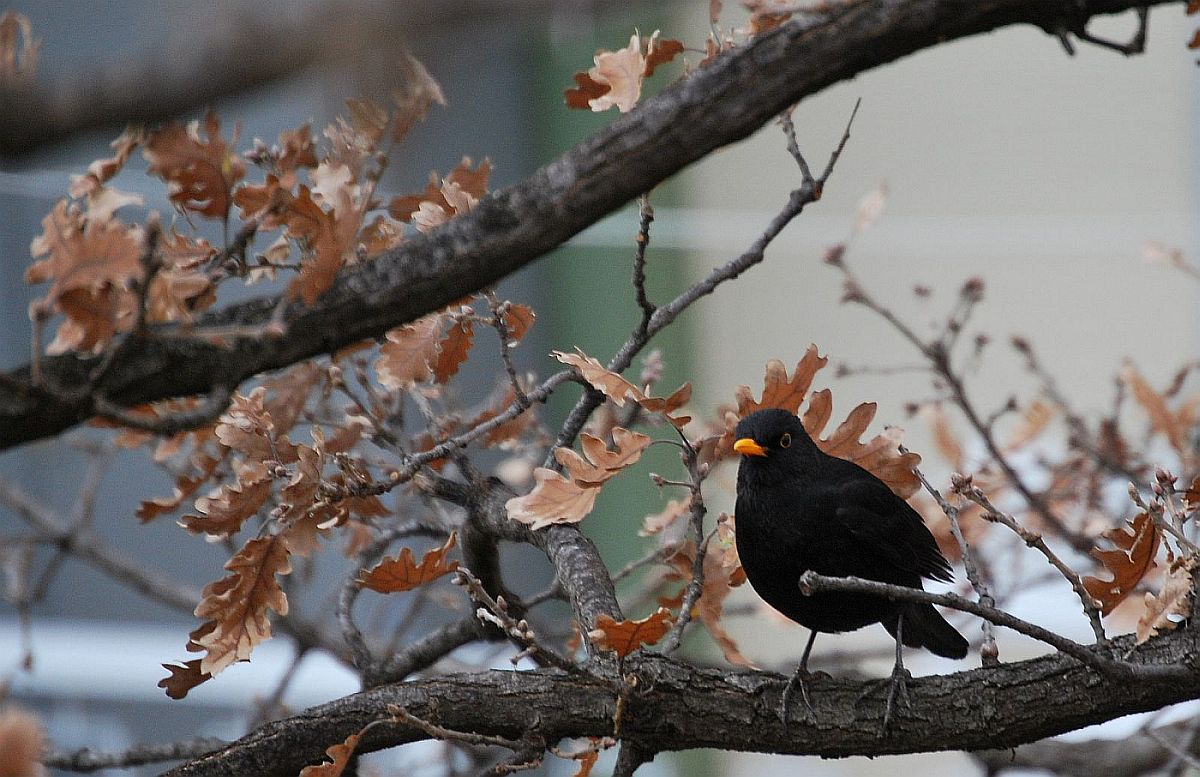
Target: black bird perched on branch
{"x": 800, "y": 509}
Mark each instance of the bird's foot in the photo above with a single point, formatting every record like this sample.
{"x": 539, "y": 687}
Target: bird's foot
{"x": 798, "y": 680}
{"x": 899, "y": 688}
{"x": 897, "y": 685}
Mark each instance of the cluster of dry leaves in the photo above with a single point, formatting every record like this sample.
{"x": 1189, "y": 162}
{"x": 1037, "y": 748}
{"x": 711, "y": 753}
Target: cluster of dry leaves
{"x": 1128, "y": 552}
{"x": 617, "y": 77}
{"x": 108, "y": 277}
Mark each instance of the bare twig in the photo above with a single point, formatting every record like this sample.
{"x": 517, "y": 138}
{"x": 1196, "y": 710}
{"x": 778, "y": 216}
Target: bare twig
{"x": 695, "y": 586}
{"x": 964, "y": 487}
{"x": 495, "y": 611}
{"x": 990, "y": 651}
{"x": 811, "y": 583}
{"x": 501, "y": 326}
{"x": 88, "y": 760}
{"x": 209, "y": 410}
{"x": 639, "y": 261}
{"x": 1135, "y": 45}
{"x": 427, "y": 650}
{"x": 808, "y": 192}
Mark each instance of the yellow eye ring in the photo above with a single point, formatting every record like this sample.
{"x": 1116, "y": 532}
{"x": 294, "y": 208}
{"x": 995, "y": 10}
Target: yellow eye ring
{"x": 786, "y": 440}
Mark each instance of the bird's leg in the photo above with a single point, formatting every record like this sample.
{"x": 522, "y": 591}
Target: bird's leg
{"x": 798, "y": 678}
{"x": 900, "y": 678}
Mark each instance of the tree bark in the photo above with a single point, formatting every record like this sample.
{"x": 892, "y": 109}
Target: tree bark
{"x": 716, "y": 105}
{"x": 676, "y": 706}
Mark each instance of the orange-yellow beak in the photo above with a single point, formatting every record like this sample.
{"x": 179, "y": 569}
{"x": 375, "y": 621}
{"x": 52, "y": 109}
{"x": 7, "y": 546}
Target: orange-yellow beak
{"x": 748, "y": 447}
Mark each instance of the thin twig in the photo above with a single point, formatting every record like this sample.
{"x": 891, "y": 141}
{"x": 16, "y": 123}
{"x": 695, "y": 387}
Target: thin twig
{"x": 501, "y": 326}
{"x": 427, "y": 650}
{"x": 808, "y": 192}
{"x": 964, "y": 487}
{"x": 990, "y": 651}
{"x": 88, "y": 760}
{"x": 695, "y": 586}
{"x": 401, "y": 715}
{"x": 495, "y": 611}
{"x": 639, "y": 261}
{"x": 1135, "y": 45}
{"x": 811, "y": 583}
{"x": 213, "y": 405}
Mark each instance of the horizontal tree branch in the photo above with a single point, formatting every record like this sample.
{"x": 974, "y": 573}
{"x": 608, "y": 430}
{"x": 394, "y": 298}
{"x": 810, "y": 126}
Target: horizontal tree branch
{"x": 676, "y": 706}
{"x": 715, "y": 105}
{"x": 1132, "y": 756}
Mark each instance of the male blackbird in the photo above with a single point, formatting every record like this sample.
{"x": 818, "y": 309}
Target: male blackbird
{"x": 799, "y": 509}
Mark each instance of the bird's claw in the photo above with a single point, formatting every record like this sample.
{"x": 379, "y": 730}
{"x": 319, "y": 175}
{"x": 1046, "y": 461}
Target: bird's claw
{"x": 899, "y": 688}
{"x": 797, "y": 679}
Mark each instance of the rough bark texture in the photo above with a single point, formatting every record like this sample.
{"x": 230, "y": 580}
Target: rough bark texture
{"x": 675, "y": 706}
{"x": 714, "y": 106}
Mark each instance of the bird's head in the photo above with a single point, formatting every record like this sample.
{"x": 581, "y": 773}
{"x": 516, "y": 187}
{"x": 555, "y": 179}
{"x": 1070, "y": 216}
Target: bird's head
{"x": 772, "y": 435}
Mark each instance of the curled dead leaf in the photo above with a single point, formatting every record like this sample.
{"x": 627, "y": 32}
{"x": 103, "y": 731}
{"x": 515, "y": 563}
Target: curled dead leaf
{"x": 1173, "y": 603}
{"x": 402, "y": 573}
{"x": 624, "y": 637}
{"x": 339, "y": 755}
{"x": 1128, "y": 562}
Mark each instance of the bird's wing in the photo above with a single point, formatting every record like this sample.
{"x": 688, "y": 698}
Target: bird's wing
{"x": 886, "y": 526}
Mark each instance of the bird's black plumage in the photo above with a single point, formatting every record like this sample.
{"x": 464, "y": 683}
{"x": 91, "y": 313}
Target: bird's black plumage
{"x": 799, "y": 509}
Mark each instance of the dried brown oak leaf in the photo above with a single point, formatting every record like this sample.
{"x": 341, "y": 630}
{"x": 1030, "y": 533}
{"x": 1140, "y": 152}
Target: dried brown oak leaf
{"x": 327, "y": 235}
{"x": 602, "y": 464}
{"x": 880, "y": 455}
{"x": 402, "y": 573}
{"x": 722, "y": 573}
{"x": 1175, "y": 425}
{"x": 102, "y": 171}
{"x": 238, "y": 604}
{"x": 620, "y": 390}
{"x": 340, "y": 755}
{"x": 554, "y": 499}
{"x": 186, "y": 484}
{"x": 660, "y": 521}
{"x": 557, "y": 499}
{"x": 248, "y": 428}
{"x": 624, "y": 637}
{"x": 431, "y": 348}
{"x": 200, "y": 171}
{"x": 517, "y": 320}
{"x": 463, "y": 184}
{"x": 78, "y": 254}
{"x": 616, "y": 79}
{"x": 1192, "y": 495}
{"x": 1033, "y": 422}
{"x": 183, "y": 678}
{"x": 1128, "y": 562}
{"x": 18, "y": 60}
{"x": 612, "y": 385}
{"x": 21, "y": 743}
{"x": 417, "y": 93}
{"x": 1173, "y": 604}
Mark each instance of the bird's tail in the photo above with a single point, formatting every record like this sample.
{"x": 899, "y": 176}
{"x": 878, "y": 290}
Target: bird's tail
{"x": 925, "y": 627}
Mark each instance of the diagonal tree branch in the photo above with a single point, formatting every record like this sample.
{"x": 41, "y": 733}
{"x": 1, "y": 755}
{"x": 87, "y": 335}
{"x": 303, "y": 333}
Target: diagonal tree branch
{"x": 677, "y": 706}
{"x": 712, "y": 107}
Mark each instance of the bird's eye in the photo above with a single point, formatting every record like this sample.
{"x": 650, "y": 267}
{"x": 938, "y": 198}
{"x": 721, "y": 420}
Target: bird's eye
{"x": 786, "y": 440}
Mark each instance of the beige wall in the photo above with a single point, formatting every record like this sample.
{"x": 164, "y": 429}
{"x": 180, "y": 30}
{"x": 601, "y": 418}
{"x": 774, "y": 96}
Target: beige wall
{"x": 1005, "y": 158}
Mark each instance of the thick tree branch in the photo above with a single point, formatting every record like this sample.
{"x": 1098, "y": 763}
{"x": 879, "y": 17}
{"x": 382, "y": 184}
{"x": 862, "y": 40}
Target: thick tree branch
{"x": 712, "y": 107}
{"x": 677, "y": 706}
{"x": 1133, "y": 756}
